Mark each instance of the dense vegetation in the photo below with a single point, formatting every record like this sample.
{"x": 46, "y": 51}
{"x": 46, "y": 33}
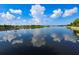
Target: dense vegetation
{"x": 15, "y": 27}
{"x": 75, "y": 23}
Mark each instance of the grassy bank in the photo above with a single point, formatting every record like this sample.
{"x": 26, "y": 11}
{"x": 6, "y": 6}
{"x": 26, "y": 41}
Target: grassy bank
{"x": 73, "y": 27}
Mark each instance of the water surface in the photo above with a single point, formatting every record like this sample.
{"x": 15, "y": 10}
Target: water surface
{"x": 51, "y": 40}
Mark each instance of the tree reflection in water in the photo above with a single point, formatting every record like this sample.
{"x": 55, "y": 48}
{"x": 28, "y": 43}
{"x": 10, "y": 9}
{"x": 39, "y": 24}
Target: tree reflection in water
{"x": 76, "y": 32}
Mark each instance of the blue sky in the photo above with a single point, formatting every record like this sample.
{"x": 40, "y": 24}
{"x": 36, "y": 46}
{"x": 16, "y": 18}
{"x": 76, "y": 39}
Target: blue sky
{"x": 43, "y": 14}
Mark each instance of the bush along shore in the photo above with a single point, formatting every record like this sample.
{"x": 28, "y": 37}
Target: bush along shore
{"x": 74, "y": 25}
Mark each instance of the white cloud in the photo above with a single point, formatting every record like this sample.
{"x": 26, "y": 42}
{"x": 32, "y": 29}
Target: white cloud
{"x": 16, "y": 11}
{"x": 10, "y": 18}
{"x": 56, "y": 13}
{"x": 36, "y": 21}
{"x": 7, "y": 16}
{"x": 59, "y": 12}
{"x": 70, "y": 11}
{"x": 37, "y": 12}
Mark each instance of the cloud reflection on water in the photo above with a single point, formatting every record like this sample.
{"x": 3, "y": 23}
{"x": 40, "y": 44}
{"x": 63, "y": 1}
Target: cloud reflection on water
{"x": 71, "y": 38}
{"x": 38, "y": 39}
{"x": 56, "y": 37}
{"x": 9, "y": 37}
{"x": 12, "y": 37}
{"x": 17, "y": 42}
{"x": 66, "y": 37}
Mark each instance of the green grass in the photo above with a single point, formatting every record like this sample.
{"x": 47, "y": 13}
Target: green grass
{"x": 73, "y": 27}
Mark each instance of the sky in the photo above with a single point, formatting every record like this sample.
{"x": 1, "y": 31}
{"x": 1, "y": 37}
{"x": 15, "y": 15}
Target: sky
{"x": 38, "y": 14}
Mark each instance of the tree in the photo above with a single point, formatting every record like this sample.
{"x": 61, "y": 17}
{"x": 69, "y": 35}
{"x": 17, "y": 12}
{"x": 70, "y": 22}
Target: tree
{"x": 75, "y": 23}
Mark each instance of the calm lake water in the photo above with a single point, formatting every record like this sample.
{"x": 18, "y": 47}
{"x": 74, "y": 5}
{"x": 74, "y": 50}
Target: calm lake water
{"x": 51, "y": 40}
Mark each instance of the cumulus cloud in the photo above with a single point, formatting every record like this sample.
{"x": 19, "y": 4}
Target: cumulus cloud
{"x": 37, "y": 12}
{"x": 56, "y": 13}
{"x": 70, "y": 11}
{"x": 67, "y": 12}
{"x": 36, "y": 21}
{"x": 16, "y": 11}
{"x": 7, "y": 16}
{"x": 10, "y": 18}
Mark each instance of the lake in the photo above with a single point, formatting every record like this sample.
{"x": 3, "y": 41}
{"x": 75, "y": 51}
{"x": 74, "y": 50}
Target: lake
{"x": 39, "y": 41}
